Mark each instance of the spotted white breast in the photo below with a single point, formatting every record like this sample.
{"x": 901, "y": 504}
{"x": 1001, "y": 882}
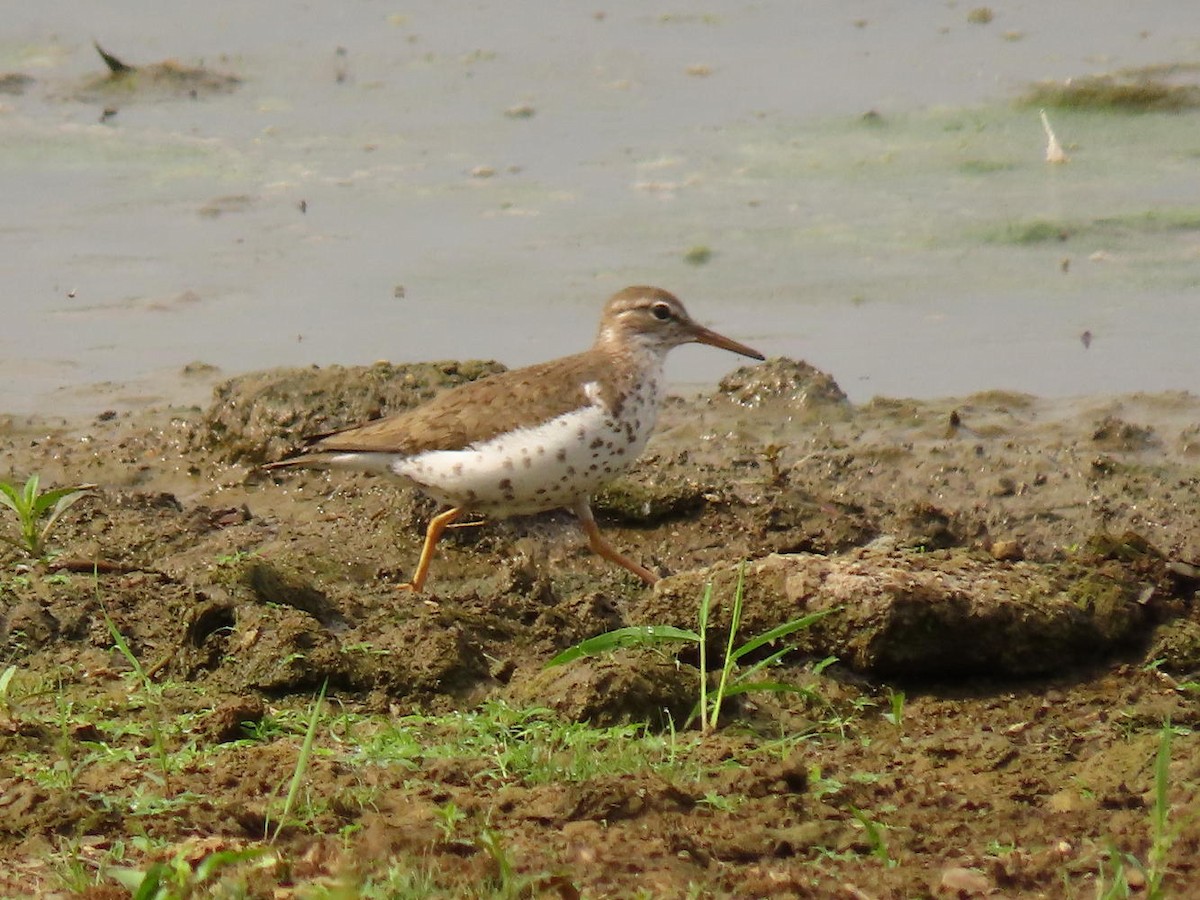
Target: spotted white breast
{"x": 545, "y": 466}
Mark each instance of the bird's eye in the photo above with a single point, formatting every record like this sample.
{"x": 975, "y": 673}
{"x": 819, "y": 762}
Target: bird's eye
{"x": 661, "y": 311}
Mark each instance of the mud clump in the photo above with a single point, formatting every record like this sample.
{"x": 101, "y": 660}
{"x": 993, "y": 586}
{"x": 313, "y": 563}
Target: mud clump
{"x": 14, "y": 84}
{"x": 232, "y": 718}
{"x": 647, "y": 501}
{"x": 1177, "y": 648}
{"x": 793, "y": 382}
{"x": 259, "y": 417}
{"x": 628, "y": 686}
{"x": 273, "y": 585}
{"x": 1115, "y": 434}
{"x": 164, "y": 80}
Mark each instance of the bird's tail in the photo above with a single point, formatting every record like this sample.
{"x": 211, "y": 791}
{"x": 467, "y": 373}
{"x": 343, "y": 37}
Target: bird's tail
{"x": 301, "y": 460}
{"x": 333, "y": 459}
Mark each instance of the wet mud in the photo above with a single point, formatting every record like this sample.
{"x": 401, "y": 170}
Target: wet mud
{"x": 1023, "y": 571}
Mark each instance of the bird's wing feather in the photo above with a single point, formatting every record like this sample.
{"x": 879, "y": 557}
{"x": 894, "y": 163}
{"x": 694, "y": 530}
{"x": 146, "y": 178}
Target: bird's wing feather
{"x": 477, "y": 411}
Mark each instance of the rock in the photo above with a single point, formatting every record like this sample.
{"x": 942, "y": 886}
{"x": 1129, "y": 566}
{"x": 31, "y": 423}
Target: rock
{"x": 1004, "y": 487}
{"x": 1006, "y": 550}
{"x": 898, "y": 613}
{"x": 959, "y": 881}
{"x": 1069, "y": 800}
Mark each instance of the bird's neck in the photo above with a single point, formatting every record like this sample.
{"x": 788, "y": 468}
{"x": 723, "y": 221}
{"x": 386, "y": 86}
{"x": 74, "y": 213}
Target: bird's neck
{"x": 636, "y": 372}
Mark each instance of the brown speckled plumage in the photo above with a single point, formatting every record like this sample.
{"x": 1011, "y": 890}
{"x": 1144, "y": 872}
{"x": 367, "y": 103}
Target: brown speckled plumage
{"x": 469, "y": 414}
{"x": 534, "y": 438}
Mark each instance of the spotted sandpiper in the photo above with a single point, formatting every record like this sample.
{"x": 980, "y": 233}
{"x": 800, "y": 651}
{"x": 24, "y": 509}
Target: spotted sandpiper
{"x": 533, "y": 439}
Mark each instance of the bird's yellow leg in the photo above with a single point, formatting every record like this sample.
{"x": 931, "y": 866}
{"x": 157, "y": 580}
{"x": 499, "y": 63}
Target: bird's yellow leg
{"x": 433, "y": 533}
{"x": 601, "y": 547}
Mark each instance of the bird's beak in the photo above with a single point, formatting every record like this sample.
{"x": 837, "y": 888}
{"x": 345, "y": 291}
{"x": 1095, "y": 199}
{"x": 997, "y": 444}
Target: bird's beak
{"x": 702, "y": 335}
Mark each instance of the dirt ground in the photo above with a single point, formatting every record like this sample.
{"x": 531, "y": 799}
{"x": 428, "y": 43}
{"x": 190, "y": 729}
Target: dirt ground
{"x": 1010, "y": 587}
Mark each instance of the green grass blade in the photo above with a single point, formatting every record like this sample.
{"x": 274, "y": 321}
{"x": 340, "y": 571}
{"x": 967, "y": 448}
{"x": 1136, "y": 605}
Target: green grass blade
{"x": 29, "y": 507}
{"x": 214, "y": 862}
{"x": 6, "y": 678}
{"x": 735, "y": 621}
{"x": 874, "y": 836}
{"x": 142, "y": 885}
{"x": 122, "y": 646}
{"x": 10, "y": 497}
{"x": 19, "y": 502}
{"x": 633, "y": 636}
{"x": 60, "y": 497}
{"x": 819, "y": 667}
{"x": 739, "y": 597}
{"x": 773, "y": 687}
{"x": 779, "y": 631}
{"x": 705, "y": 607}
{"x": 490, "y": 841}
{"x": 765, "y": 663}
{"x": 1162, "y": 779}
{"x": 31, "y": 489}
{"x": 302, "y": 761}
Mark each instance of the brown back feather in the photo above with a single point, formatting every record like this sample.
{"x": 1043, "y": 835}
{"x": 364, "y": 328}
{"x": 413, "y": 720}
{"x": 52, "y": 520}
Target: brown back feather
{"x": 479, "y": 410}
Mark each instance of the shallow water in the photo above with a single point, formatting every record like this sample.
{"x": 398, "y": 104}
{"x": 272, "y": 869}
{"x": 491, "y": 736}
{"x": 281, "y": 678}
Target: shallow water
{"x": 883, "y": 250}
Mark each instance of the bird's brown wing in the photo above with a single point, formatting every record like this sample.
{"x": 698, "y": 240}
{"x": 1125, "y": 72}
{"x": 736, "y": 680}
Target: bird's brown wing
{"x": 477, "y": 411}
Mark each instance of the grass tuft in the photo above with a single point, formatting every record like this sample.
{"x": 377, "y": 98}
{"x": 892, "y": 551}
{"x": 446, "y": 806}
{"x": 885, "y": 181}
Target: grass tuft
{"x": 731, "y": 680}
{"x": 1134, "y": 93}
{"x": 31, "y": 506}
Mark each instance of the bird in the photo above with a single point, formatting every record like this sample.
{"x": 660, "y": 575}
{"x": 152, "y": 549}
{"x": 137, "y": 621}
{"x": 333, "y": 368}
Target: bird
{"x": 532, "y": 439}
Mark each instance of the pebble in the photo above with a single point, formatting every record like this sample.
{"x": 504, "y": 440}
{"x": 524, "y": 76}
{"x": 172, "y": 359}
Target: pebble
{"x": 1007, "y": 550}
{"x": 959, "y": 881}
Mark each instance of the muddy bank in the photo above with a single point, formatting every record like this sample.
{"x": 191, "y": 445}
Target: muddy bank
{"x": 992, "y": 535}
{"x": 1025, "y": 570}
